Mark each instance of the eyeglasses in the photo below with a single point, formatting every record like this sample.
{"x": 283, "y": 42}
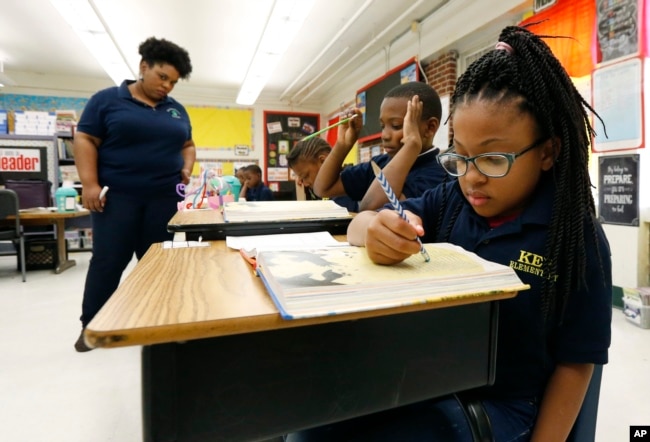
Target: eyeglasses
{"x": 491, "y": 164}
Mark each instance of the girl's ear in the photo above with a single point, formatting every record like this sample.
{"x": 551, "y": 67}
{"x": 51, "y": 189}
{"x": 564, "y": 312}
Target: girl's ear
{"x": 321, "y": 159}
{"x": 550, "y": 152}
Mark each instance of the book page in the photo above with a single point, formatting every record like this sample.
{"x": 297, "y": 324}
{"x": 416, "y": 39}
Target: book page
{"x": 283, "y": 241}
{"x": 351, "y": 266}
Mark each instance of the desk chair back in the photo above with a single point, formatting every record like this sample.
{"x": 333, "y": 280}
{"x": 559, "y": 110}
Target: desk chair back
{"x": 584, "y": 428}
{"x": 9, "y": 206}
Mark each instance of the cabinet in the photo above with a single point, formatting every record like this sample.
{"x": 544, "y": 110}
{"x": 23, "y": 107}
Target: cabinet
{"x": 78, "y": 230}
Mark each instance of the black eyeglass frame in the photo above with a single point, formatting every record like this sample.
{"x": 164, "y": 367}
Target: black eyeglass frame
{"x": 509, "y": 156}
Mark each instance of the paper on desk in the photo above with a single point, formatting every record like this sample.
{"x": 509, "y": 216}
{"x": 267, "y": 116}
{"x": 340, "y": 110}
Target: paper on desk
{"x": 283, "y": 241}
{"x": 184, "y": 244}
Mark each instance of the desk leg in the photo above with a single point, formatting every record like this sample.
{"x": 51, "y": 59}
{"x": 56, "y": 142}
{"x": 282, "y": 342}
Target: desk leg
{"x": 64, "y": 262}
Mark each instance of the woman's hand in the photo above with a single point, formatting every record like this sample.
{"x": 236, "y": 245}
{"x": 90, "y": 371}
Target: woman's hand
{"x": 90, "y": 198}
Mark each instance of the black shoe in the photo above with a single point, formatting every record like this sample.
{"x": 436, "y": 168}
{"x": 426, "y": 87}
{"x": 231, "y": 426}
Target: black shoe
{"x": 80, "y": 345}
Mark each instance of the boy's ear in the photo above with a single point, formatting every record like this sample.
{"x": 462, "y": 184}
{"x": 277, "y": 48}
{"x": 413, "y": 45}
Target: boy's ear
{"x": 550, "y": 152}
{"x": 433, "y": 124}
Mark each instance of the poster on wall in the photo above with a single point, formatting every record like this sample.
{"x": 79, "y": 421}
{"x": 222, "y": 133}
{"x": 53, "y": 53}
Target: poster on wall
{"x": 618, "y": 29}
{"x": 283, "y": 131}
{"x": 618, "y": 99}
{"x": 618, "y": 189}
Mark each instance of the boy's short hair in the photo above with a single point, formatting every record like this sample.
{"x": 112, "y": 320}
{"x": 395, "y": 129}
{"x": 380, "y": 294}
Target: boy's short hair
{"x": 254, "y": 168}
{"x": 431, "y": 106}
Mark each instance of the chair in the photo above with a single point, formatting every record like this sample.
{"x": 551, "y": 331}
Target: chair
{"x": 9, "y": 206}
{"x": 584, "y": 428}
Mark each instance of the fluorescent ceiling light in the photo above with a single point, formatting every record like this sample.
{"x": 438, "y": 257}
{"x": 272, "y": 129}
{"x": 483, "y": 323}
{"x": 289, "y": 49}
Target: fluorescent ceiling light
{"x": 284, "y": 22}
{"x": 87, "y": 24}
{"x": 5, "y": 80}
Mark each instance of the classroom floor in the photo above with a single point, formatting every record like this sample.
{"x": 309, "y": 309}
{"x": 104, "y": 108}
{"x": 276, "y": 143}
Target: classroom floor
{"x": 50, "y": 393}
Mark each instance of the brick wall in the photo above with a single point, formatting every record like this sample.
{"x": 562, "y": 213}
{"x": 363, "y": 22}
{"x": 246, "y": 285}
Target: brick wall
{"x": 441, "y": 73}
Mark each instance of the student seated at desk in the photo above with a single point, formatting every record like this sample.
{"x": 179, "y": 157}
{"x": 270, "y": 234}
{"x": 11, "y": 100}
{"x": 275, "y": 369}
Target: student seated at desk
{"x": 306, "y": 159}
{"x": 410, "y": 159}
{"x": 254, "y": 188}
{"x": 523, "y": 198}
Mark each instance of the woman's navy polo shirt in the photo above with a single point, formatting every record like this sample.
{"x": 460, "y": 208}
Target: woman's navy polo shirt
{"x": 140, "y": 151}
{"x": 525, "y": 357}
{"x": 425, "y": 174}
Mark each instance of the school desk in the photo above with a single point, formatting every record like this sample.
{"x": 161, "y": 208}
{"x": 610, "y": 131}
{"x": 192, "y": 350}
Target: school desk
{"x": 44, "y": 217}
{"x": 210, "y": 225}
{"x": 219, "y": 363}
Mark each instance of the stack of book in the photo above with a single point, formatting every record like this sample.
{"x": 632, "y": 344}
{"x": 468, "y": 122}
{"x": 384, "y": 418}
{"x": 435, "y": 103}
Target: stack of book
{"x": 272, "y": 211}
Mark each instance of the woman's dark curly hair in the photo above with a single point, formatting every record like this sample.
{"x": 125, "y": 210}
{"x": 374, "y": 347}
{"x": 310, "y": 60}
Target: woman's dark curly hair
{"x": 154, "y": 50}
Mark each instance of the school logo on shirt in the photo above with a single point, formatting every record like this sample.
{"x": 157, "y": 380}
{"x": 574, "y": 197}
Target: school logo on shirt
{"x": 175, "y": 113}
{"x": 531, "y": 263}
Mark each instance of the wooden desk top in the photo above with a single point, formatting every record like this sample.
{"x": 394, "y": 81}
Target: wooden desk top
{"x": 196, "y": 217}
{"x": 191, "y": 293}
{"x": 47, "y": 214}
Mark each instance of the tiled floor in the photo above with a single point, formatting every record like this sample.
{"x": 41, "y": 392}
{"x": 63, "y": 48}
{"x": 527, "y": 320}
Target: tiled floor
{"x": 50, "y": 393}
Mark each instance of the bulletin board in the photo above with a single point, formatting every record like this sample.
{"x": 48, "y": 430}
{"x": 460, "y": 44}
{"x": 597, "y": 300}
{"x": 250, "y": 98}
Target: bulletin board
{"x": 221, "y": 128}
{"x": 618, "y": 189}
{"x": 370, "y": 96}
{"x": 282, "y": 130}
{"x": 618, "y": 99}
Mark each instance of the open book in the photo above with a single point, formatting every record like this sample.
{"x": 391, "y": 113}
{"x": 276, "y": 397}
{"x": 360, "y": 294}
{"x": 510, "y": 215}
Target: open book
{"x": 326, "y": 281}
{"x": 273, "y": 211}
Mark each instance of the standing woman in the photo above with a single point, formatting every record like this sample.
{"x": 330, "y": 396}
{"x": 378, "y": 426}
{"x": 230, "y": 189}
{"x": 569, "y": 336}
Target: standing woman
{"x": 136, "y": 140}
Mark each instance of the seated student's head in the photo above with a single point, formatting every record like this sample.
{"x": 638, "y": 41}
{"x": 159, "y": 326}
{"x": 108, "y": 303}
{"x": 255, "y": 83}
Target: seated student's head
{"x": 306, "y": 158}
{"x": 393, "y": 110}
{"x": 253, "y": 175}
{"x": 239, "y": 173}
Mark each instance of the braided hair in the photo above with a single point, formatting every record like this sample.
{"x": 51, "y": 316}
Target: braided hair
{"x": 523, "y": 70}
{"x": 308, "y": 150}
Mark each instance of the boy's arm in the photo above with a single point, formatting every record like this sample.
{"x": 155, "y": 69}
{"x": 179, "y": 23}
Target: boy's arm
{"x": 562, "y": 400}
{"x": 328, "y": 180}
{"x": 400, "y": 165}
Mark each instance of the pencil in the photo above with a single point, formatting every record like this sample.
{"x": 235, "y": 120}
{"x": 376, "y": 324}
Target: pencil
{"x": 395, "y": 203}
{"x": 345, "y": 120}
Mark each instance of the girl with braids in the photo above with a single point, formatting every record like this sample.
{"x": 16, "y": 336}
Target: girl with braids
{"x": 306, "y": 159}
{"x": 521, "y": 138}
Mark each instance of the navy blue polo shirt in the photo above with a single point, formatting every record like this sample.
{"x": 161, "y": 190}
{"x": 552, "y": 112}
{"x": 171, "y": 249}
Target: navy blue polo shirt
{"x": 140, "y": 151}
{"x": 526, "y": 356}
{"x": 425, "y": 174}
{"x": 259, "y": 193}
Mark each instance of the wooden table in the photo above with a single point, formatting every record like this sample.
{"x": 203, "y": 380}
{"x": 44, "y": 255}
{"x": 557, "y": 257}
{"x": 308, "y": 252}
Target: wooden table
{"x": 219, "y": 363}
{"x": 42, "y": 217}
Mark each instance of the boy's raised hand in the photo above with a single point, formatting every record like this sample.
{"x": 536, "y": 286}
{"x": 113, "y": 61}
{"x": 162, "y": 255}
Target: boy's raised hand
{"x": 411, "y": 129}
{"x": 390, "y": 239}
{"x": 348, "y": 133}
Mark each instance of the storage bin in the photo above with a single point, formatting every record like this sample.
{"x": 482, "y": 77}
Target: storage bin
{"x": 40, "y": 255}
{"x": 636, "y": 312}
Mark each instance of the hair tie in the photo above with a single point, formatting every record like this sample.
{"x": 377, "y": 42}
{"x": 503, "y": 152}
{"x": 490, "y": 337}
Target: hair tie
{"x": 504, "y": 47}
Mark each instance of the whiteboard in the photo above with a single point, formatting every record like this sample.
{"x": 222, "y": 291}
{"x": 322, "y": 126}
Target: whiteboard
{"x": 618, "y": 99}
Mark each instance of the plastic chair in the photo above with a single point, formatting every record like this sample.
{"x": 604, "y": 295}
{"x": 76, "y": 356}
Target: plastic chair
{"x": 584, "y": 428}
{"x": 9, "y": 206}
